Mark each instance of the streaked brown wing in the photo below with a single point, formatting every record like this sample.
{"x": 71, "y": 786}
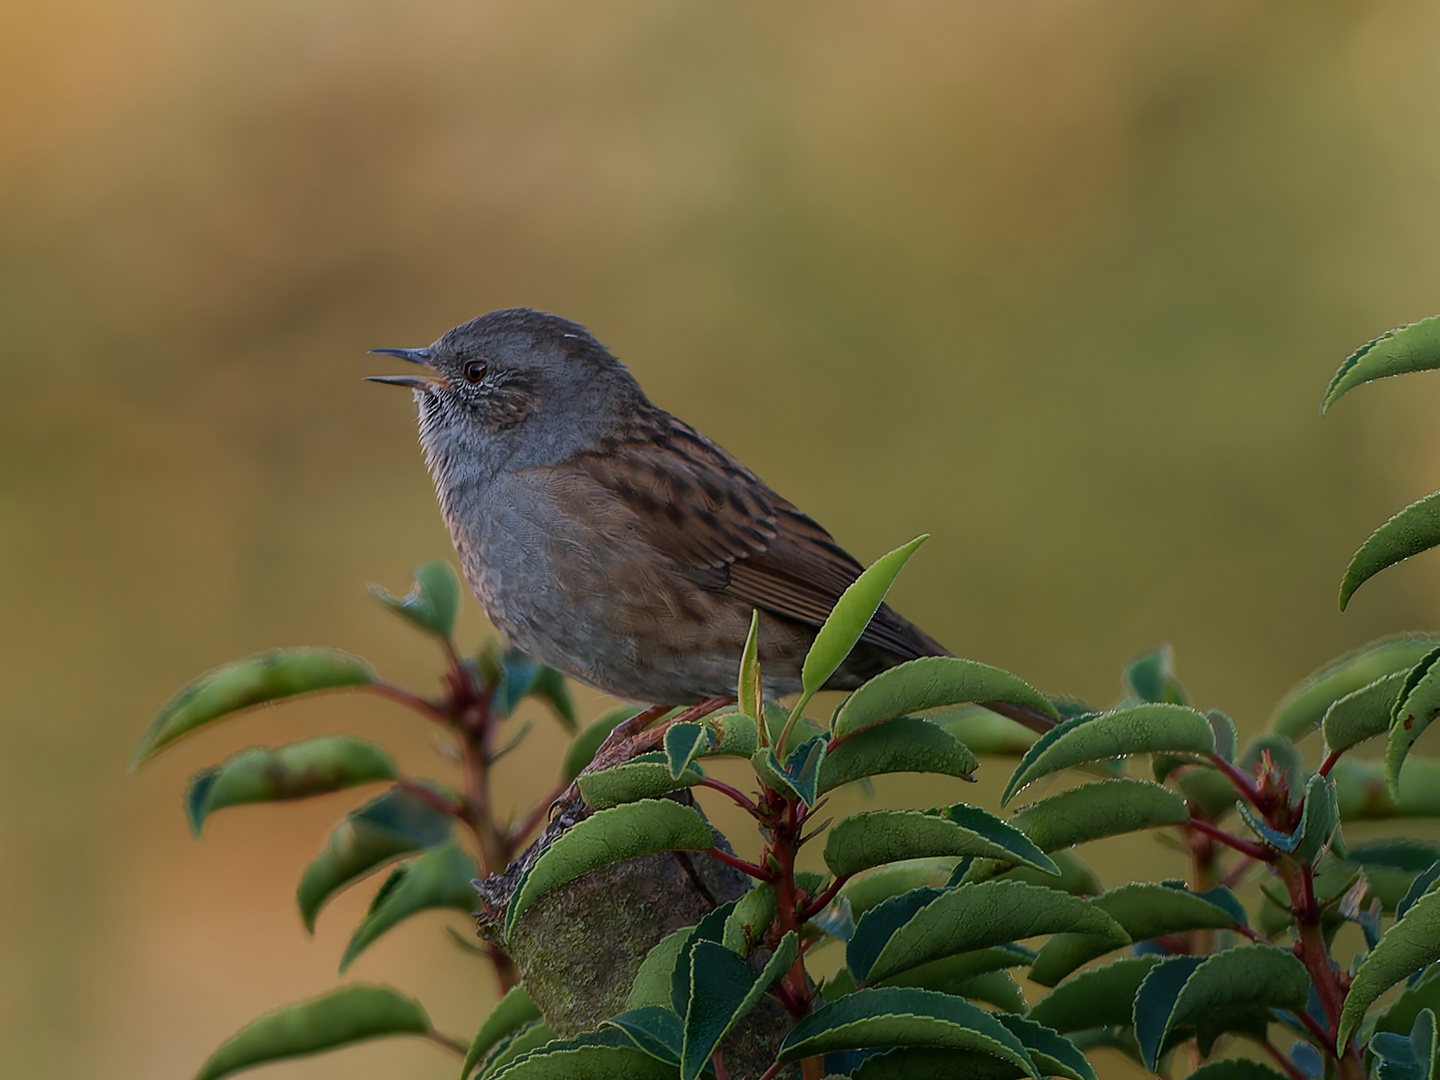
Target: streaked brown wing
{"x": 696, "y": 504}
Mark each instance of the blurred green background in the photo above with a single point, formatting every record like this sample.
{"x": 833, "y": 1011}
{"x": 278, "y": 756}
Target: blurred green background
{"x": 1060, "y": 283}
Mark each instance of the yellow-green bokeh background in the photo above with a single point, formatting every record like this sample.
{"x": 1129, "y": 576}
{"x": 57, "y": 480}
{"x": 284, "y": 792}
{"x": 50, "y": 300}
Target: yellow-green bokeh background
{"x": 1057, "y": 282}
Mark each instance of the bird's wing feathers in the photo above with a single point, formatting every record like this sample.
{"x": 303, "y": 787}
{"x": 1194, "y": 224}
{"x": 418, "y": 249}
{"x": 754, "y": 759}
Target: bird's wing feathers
{"x": 729, "y": 532}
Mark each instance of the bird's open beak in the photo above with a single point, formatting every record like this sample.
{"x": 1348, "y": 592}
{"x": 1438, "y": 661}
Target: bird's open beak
{"x": 427, "y": 383}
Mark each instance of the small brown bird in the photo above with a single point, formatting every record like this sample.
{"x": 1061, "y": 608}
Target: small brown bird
{"x": 609, "y": 539}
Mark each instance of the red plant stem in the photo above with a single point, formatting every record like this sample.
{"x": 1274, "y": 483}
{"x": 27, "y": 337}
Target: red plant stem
{"x": 1316, "y": 1029}
{"x": 735, "y": 795}
{"x": 757, "y": 872}
{"x": 1329, "y": 762}
{"x": 405, "y": 697}
{"x": 1245, "y": 847}
{"x": 1243, "y": 783}
{"x": 431, "y": 798}
{"x": 772, "y": 1072}
{"x": 821, "y": 902}
{"x": 531, "y": 821}
{"x": 718, "y": 1061}
{"x": 1291, "y": 1070}
{"x": 455, "y": 1046}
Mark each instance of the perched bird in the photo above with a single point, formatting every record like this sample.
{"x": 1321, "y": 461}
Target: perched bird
{"x": 613, "y": 541}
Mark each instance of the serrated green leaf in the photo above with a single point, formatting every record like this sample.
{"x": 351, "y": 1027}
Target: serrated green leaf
{"x": 929, "y": 683}
{"x": 1362, "y": 714}
{"x": 732, "y": 735}
{"x": 525, "y": 1040}
{"x": 296, "y": 771}
{"x": 432, "y": 602}
{"x": 1412, "y": 347}
{"x": 1303, "y": 708}
{"x": 1142, "y": 729}
{"x": 1401, "y": 1014}
{"x": 339, "y": 1018}
{"x": 652, "y": 982}
{"x": 583, "y": 747}
{"x": 1075, "y": 878}
{"x": 1215, "y": 994}
{"x": 683, "y": 744}
{"x": 645, "y": 777}
{"x": 877, "y": 926}
{"x": 440, "y": 878}
{"x": 1097, "y": 997}
{"x": 747, "y": 924}
{"x": 906, "y": 744}
{"x": 1411, "y": 531}
{"x": 1409, "y": 945}
{"x": 1361, "y": 791}
{"x": 654, "y": 1029}
{"x": 510, "y": 1013}
{"x": 895, "y": 1016}
{"x": 970, "y": 917}
{"x": 1416, "y": 705}
{"x": 258, "y": 680}
{"x": 711, "y": 927}
{"x": 875, "y": 886}
{"x": 722, "y": 991}
{"x": 992, "y": 987}
{"x": 610, "y": 836}
{"x": 985, "y": 732}
{"x": 1053, "y": 1053}
{"x": 1092, "y": 811}
{"x": 883, "y": 836}
{"x": 951, "y": 973}
{"x": 607, "y": 1054}
{"x": 379, "y": 832}
{"x": 846, "y": 623}
{"x": 1145, "y": 911}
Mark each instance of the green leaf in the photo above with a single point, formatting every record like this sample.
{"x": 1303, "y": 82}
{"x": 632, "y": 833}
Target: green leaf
{"x": 1416, "y": 705}
{"x": 440, "y": 878}
{"x": 929, "y": 683}
{"x": 1224, "y": 991}
{"x": 1410, "y": 944}
{"x": 711, "y": 927}
{"x": 906, "y": 744}
{"x": 1152, "y": 678}
{"x": 746, "y": 925}
{"x": 902, "y": 1016}
{"x": 875, "y": 886}
{"x": 520, "y": 677}
{"x": 1098, "y": 997}
{"x": 1227, "y": 739}
{"x": 607, "y": 1054}
{"x": 1075, "y": 878}
{"x": 1362, "y": 714}
{"x": 1054, "y": 1054}
{"x": 313, "y": 767}
{"x": 732, "y": 735}
{"x": 510, "y": 1013}
{"x": 722, "y": 991}
{"x": 1401, "y": 1014}
{"x": 1361, "y": 791}
{"x": 802, "y": 767}
{"x": 654, "y": 1029}
{"x": 1142, "y": 729}
{"x": 1092, "y": 811}
{"x": 882, "y": 836}
{"x": 992, "y": 987}
{"x": 432, "y": 602}
{"x": 1411, "y": 1058}
{"x": 1145, "y": 911}
{"x": 951, "y": 974}
{"x": 1303, "y": 708}
{"x": 1319, "y": 821}
{"x": 1411, "y": 531}
{"x": 583, "y": 747}
{"x": 524, "y": 1041}
{"x": 339, "y": 1018}
{"x": 1390, "y": 866}
{"x": 610, "y": 836}
{"x": 1413, "y": 347}
{"x": 970, "y": 917}
{"x": 644, "y": 777}
{"x": 652, "y": 981}
{"x": 381, "y": 831}
{"x": 750, "y": 690}
{"x": 258, "y": 680}
{"x": 1234, "y": 1069}
{"x": 985, "y": 732}
{"x": 847, "y": 621}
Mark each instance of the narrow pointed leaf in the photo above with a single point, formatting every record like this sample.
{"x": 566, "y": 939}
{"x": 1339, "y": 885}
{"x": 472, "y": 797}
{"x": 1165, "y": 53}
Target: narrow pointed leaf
{"x": 330, "y": 1021}
{"x": 895, "y": 1016}
{"x": 516, "y": 1009}
{"x": 440, "y": 878}
{"x": 611, "y": 836}
{"x": 1413, "y": 347}
{"x": 906, "y": 744}
{"x": 1304, "y": 707}
{"x": 978, "y": 916}
{"x": 1145, "y": 911}
{"x": 381, "y": 831}
{"x": 1364, "y": 713}
{"x": 750, "y": 690}
{"x": 1416, "y": 706}
{"x": 1320, "y": 820}
{"x": 929, "y": 683}
{"x": 1098, "y": 997}
{"x": 1411, "y": 531}
{"x": 1143, "y": 729}
{"x": 723, "y": 989}
{"x": 1409, "y": 945}
{"x": 883, "y": 836}
{"x": 1215, "y": 994}
{"x": 258, "y": 680}
{"x": 296, "y": 771}
{"x": 1092, "y": 811}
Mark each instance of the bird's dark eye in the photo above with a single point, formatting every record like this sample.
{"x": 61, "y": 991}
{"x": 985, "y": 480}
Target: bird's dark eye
{"x": 474, "y": 371}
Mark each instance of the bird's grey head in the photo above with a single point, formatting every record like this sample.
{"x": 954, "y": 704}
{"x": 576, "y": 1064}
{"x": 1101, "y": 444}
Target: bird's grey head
{"x": 515, "y": 386}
